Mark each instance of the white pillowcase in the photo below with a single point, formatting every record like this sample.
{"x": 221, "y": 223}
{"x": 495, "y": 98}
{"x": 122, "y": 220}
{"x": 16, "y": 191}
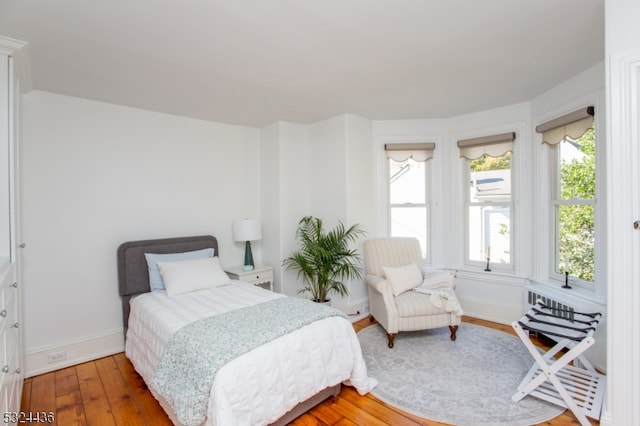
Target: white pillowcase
{"x": 155, "y": 280}
{"x": 190, "y": 275}
{"x": 403, "y": 278}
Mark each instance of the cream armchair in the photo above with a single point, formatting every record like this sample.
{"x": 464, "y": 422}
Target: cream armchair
{"x": 398, "y": 310}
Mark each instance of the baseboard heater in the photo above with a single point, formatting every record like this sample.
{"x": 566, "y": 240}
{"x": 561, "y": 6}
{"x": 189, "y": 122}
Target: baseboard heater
{"x": 558, "y": 308}
{"x": 562, "y": 304}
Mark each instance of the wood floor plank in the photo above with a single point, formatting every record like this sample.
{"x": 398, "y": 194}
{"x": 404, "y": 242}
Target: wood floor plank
{"x": 25, "y": 400}
{"x": 120, "y": 400}
{"x": 346, "y": 422}
{"x": 149, "y": 407}
{"x": 326, "y": 413}
{"x": 43, "y": 396}
{"x": 94, "y": 400}
{"x": 69, "y": 407}
{"x": 378, "y": 408}
{"x": 308, "y": 420}
{"x": 354, "y": 414}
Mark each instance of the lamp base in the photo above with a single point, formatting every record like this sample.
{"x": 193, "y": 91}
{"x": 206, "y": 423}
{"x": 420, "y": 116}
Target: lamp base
{"x": 248, "y": 257}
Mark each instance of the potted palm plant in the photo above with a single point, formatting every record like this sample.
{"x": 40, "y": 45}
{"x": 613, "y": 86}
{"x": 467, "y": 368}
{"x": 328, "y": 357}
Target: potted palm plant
{"x": 324, "y": 259}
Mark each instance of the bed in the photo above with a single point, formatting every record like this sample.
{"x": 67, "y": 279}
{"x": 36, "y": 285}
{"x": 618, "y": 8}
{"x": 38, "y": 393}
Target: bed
{"x": 272, "y": 383}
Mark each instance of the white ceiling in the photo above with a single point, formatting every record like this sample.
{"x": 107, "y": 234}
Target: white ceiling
{"x": 254, "y": 62}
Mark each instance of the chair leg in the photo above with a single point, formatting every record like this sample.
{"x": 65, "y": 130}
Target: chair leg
{"x": 391, "y": 337}
{"x": 454, "y": 329}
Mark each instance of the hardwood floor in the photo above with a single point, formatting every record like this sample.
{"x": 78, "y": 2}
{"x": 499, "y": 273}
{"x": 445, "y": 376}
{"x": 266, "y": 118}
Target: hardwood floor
{"x": 108, "y": 391}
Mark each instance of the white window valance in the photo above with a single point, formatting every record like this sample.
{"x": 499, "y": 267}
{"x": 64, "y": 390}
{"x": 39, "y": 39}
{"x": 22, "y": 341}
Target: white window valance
{"x": 492, "y": 145}
{"x": 572, "y": 125}
{"x": 403, "y": 151}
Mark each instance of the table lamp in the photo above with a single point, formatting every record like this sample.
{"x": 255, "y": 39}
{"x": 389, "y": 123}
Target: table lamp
{"x": 247, "y": 230}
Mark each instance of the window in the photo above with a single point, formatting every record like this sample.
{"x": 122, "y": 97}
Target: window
{"x": 488, "y": 199}
{"x": 408, "y": 190}
{"x": 571, "y": 142}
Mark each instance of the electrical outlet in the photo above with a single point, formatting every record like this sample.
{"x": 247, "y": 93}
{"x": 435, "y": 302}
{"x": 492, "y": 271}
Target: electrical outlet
{"x": 57, "y": 356}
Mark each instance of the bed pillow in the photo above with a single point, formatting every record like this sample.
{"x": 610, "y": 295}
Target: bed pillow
{"x": 403, "y": 278}
{"x": 190, "y": 275}
{"x": 155, "y": 280}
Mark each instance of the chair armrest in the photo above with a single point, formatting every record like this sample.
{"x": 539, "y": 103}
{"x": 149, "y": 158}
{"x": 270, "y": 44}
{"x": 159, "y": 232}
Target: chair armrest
{"x": 376, "y": 282}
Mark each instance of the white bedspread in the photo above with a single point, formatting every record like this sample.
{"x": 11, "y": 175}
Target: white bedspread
{"x": 260, "y": 386}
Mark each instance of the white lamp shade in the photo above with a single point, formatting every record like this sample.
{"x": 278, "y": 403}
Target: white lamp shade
{"x": 246, "y": 230}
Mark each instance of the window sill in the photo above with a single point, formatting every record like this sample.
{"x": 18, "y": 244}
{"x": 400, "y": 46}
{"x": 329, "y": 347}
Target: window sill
{"x": 579, "y": 292}
{"x": 495, "y": 276}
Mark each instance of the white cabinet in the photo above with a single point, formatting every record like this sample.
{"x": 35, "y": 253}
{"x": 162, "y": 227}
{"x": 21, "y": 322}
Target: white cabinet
{"x": 11, "y": 354}
{"x": 261, "y": 276}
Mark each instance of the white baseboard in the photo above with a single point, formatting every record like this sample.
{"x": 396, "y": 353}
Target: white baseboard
{"x": 605, "y": 418}
{"x": 355, "y": 310}
{"x": 72, "y": 353}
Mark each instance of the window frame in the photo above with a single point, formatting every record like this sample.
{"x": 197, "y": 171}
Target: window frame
{"x": 468, "y": 205}
{"x": 426, "y": 205}
{"x": 555, "y": 202}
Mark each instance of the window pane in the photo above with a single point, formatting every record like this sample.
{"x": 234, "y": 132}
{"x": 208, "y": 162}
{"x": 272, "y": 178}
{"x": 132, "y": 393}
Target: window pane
{"x": 489, "y": 234}
{"x": 575, "y": 239}
{"x": 410, "y": 222}
{"x": 490, "y": 179}
{"x": 407, "y": 182}
{"x": 575, "y": 211}
{"x": 578, "y": 168}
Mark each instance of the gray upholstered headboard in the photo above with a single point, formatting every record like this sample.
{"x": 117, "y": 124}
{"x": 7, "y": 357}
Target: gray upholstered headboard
{"x": 133, "y": 273}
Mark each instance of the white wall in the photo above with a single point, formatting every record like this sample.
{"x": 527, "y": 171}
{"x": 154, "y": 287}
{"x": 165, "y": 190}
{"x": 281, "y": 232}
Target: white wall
{"x": 95, "y": 175}
{"x": 285, "y": 196}
{"x": 327, "y": 170}
{"x": 360, "y": 191}
{"x": 324, "y": 170}
{"x": 343, "y": 185}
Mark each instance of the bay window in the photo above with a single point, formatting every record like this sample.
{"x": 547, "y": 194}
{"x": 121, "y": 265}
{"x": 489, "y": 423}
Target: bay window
{"x": 488, "y": 200}
{"x": 409, "y": 191}
{"x": 572, "y": 152}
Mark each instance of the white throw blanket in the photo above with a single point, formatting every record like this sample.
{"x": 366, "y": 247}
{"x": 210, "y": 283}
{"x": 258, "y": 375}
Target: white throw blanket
{"x": 442, "y": 297}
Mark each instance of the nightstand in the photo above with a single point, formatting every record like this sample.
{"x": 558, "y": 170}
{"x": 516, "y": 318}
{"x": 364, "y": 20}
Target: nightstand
{"x": 261, "y": 276}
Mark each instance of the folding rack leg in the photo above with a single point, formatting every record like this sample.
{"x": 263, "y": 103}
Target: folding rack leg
{"x": 568, "y": 343}
{"x": 549, "y": 371}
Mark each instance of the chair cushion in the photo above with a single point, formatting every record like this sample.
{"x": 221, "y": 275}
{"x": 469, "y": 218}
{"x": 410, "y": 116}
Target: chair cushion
{"x": 403, "y": 278}
{"x": 415, "y": 304}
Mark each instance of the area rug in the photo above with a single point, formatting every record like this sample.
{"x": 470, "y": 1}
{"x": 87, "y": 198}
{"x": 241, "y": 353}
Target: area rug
{"x": 467, "y": 382}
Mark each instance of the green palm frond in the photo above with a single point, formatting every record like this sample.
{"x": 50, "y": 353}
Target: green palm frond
{"x": 324, "y": 260}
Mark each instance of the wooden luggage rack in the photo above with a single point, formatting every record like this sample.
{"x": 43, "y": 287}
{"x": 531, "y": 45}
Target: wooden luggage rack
{"x": 554, "y": 377}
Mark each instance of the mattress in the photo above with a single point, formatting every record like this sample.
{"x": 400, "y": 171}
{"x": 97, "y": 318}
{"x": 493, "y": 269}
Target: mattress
{"x": 260, "y": 386}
